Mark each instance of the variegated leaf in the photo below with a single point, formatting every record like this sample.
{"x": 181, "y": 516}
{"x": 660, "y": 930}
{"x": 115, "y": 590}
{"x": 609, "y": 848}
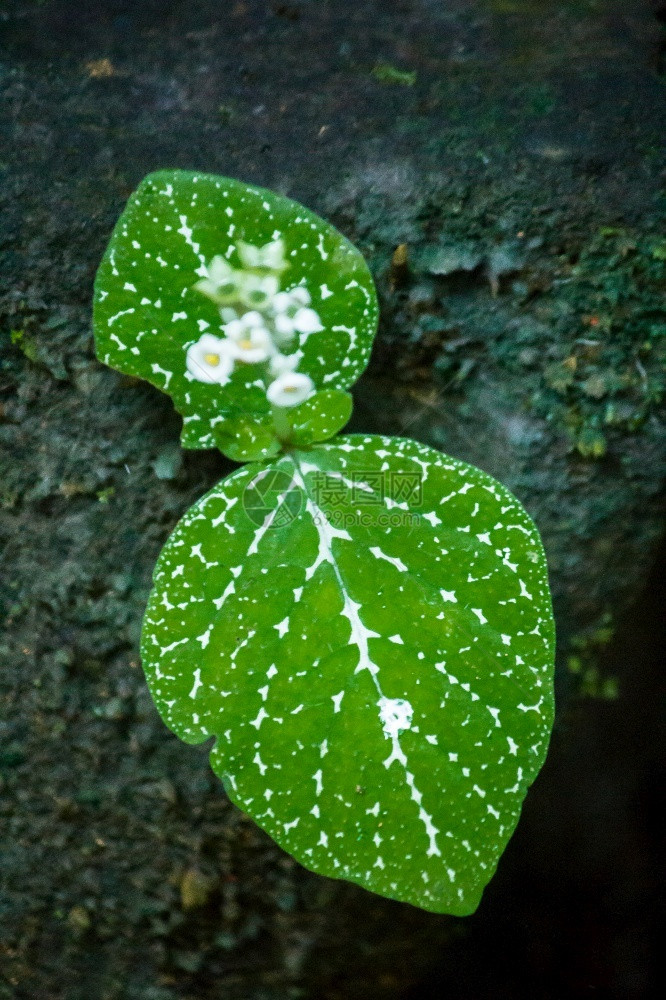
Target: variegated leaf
{"x": 149, "y": 306}
{"x": 366, "y": 629}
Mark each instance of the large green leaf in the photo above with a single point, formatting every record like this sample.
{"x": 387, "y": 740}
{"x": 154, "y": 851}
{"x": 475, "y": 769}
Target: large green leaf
{"x": 147, "y": 310}
{"x": 366, "y": 628}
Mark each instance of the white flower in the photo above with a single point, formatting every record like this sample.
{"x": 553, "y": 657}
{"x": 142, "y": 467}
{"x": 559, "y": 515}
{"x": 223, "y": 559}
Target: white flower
{"x": 240, "y": 325}
{"x": 282, "y": 363}
{"x": 290, "y": 302}
{"x": 270, "y": 257}
{"x": 228, "y": 315}
{"x": 289, "y": 389}
{"x": 307, "y": 321}
{"x": 222, "y": 283}
{"x": 284, "y": 329}
{"x": 300, "y": 295}
{"x": 210, "y": 359}
{"x": 257, "y": 292}
{"x": 291, "y": 314}
{"x": 251, "y": 341}
{"x": 254, "y": 346}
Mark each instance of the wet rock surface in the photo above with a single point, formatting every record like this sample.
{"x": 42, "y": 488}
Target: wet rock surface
{"x": 514, "y": 151}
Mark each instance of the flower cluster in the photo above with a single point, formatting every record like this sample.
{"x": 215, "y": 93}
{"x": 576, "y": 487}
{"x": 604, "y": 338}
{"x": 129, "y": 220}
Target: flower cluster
{"x": 260, "y": 324}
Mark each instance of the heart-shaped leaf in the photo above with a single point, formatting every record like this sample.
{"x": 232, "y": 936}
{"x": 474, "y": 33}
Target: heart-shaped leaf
{"x": 366, "y": 628}
{"x": 320, "y": 417}
{"x": 195, "y": 255}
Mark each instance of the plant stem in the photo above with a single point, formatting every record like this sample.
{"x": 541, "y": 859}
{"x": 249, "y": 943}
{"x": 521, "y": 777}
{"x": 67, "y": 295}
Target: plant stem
{"x": 281, "y": 424}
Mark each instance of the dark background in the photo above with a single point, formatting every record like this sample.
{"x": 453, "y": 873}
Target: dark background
{"x": 516, "y": 148}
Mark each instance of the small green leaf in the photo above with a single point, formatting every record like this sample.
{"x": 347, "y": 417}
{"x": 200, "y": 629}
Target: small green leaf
{"x": 365, "y": 627}
{"x": 193, "y": 252}
{"x": 321, "y": 416}
{"x": 254, "y": 438}
{"x": 247, "y": 439}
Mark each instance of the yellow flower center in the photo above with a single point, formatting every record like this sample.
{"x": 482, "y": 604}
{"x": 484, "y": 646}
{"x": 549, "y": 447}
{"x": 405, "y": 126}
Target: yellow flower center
{"x": 212, "y": 359}
{"x": 246, "y": 344}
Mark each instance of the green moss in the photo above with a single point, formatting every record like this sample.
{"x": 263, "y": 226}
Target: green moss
{"x": 591, "y": 443}
{"x": 605, "y": 301}
{"x": 582, "y": 663}
{"x": 386, "y": 73}
{"x": 24, "y": 344}
{"x": 591, "y": 684}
